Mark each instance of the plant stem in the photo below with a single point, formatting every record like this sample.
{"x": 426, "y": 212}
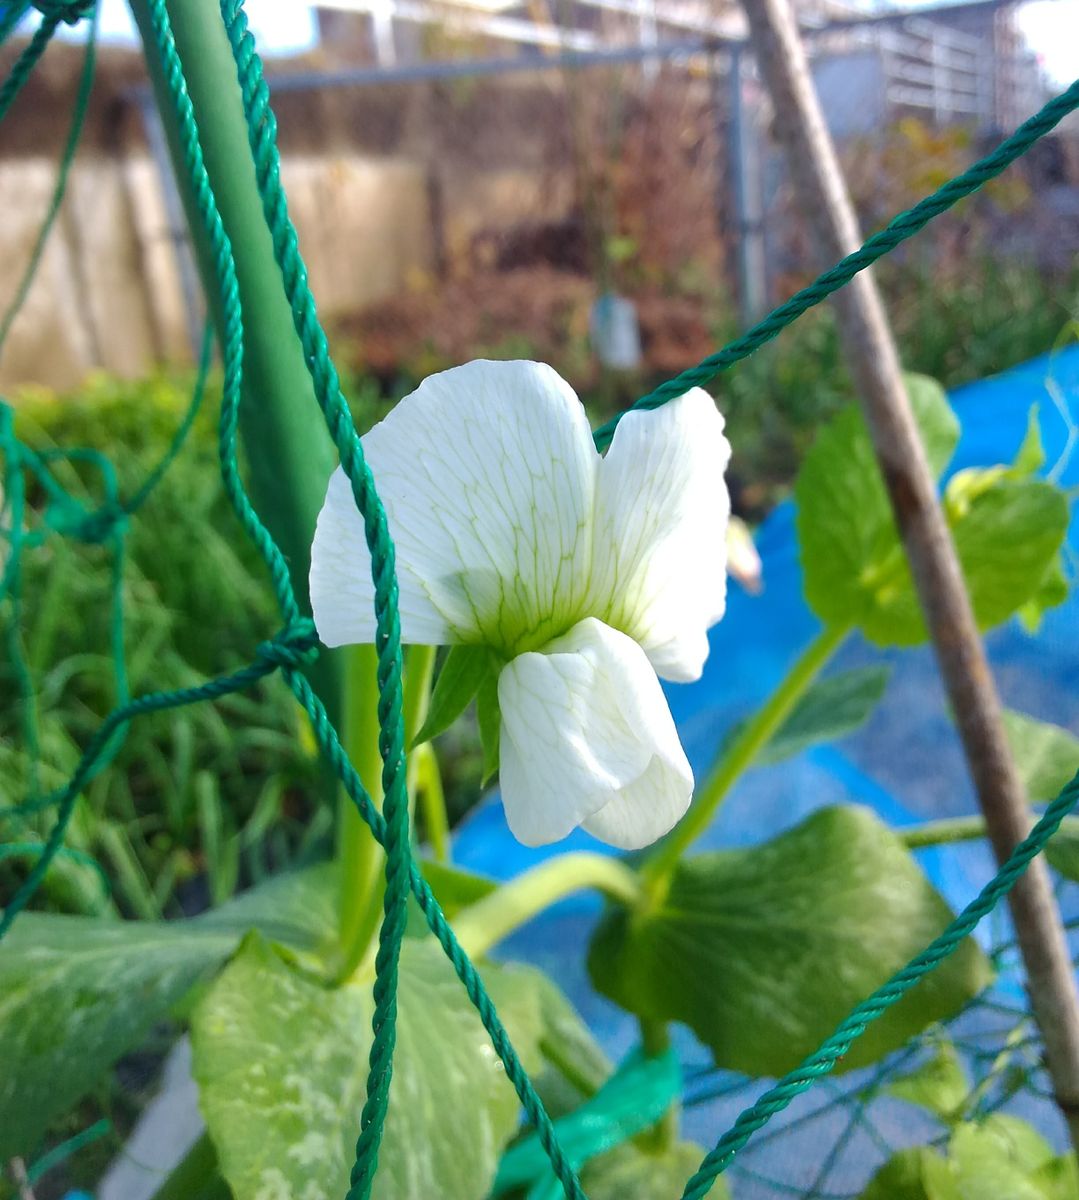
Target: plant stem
{"x": 419, "y": 671}
{"x": 359, "y": 855}
{"x": 956, "y": 829}
{"x": 739, "y": 755}
{"x": 656, "y": 1040}
{"x": 943, "y": 832}
{"x": 485, "y": 923}
{"x": 424, "y": 775}
{"x": 432, "y": 801}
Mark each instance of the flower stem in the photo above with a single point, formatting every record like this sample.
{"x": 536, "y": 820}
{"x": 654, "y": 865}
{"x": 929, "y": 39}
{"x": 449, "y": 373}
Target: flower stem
{"x": 432, "y": 801}
{"x": 485, "y": 923}
{"x": 956, "y": 829}
{"x": 739, "y": 755}
{"x": 660, "y": 1137}
{"x": 424, "y": 775}
{"x": 360, "y": 856}
{"x": 416, "y": 700}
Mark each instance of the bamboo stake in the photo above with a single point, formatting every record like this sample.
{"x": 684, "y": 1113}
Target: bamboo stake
{"x": 874, "y": 362}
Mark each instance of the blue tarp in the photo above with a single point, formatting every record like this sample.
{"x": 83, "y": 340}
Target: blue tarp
{"x": 905, "y": 763}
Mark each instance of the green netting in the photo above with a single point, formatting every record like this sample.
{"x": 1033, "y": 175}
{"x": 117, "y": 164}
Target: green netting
{"x": 296, "y": 644}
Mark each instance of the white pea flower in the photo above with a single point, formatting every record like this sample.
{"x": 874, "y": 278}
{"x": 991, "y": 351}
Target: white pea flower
{"x": 588, "y": 575}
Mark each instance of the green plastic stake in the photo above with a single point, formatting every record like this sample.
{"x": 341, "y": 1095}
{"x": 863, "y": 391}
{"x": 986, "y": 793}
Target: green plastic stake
{"x": 290, "y": 456}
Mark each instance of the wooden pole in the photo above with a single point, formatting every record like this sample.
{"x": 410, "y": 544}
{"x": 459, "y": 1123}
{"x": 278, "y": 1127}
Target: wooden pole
{"x": 874, "y": 362}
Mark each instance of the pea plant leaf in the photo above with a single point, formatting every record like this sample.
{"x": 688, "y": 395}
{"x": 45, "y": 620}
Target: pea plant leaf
{"x": 1051, "y": 593}
{"x": 489, "y": 717}
{"x": 851, "y": 556}
{"x": 1001, "y": 1156}
{"x": 997, "y": 1157}
{"x": 459, "y": 679}
{"x": 939, "y": 1084}
{"x": 1046, "y": 755}
{"x": 77, "y": 992}
{"x": 910, "y": 1175}
{"x": 1008, "y": 528}
{"x": 575, "y": 1066}
{"x": 763, "y": 951}
{"x": 1030, "y": 457}
{"x": 1063, "y": 852}
{"x": 631, "y": 1173}
{"x": 1008, "y": 538}
{"x": 281, "y": 1065}
{"x": 830, "y": 709}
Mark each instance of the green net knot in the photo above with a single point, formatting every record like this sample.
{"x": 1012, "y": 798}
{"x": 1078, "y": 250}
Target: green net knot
{"x": 295, "y": 646}
{"x": 92, "y": 526}
{"x": 71, "y": 12}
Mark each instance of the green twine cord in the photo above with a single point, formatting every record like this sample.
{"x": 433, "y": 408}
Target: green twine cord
{"x": 11, "y": 19}
{"x": 11, "y": 586}
{"x": 822, "y": 1060}
{"x": 106, "y": 524}
{"x": 296, "y": 644}
{"x": 262, "y": 132}
{"x": 898, "y": 230}
{"x": 61, "y": 1153}
{"x": 26, "y": 61}
{"x": 82, "y": 103}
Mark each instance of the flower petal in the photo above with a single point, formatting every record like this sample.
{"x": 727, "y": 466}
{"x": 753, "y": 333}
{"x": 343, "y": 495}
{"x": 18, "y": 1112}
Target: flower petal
{"x": 587, "y": 738}
{"x": 487, "y": 473}
{"x": 660, "y": 536}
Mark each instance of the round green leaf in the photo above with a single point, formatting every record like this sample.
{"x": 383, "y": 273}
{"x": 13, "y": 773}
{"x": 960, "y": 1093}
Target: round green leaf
{"x": 1046, "y": 755}
{"x": 763, "y": 951}
{"x": 909, "y": 1175}
{"x": 1007, "y": 541}
{"x": 939, "y": 1084}
{"x": 853, "y": 563}
{"x": 76, "y": 992}
{"x": 281, "y": 1063}
{"x": 630, "y": 1173}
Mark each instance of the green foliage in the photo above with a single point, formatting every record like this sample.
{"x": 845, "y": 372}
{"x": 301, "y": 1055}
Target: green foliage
{"x": 1008, "y": 537}
{"x": 468, "y": 673}
{"x": 939, "y": 1084}
{"x": 455, "y": 888}
{"x": 854, "y": 569}
{"x": 215, "y": 794}
{"x": 489, "y": 717}
{"x": 463, "y": 671}
{"x": 280, "y": 1060}
{"x": 739, "y": 946}
{"x": 574, "y": 1065}
{"x": 970, "y": 327}
{"x": 1000, "y": 1157}
{"x": 76, "y": 993}
{"x": 830, "y": 709}
{"x": 1030, "y": 457}
{"x": 1008, "y": 529}
{"x": 904, "y": 1176}
{"x": 1046, "y": 755}
{"x": 632, "y": 1173}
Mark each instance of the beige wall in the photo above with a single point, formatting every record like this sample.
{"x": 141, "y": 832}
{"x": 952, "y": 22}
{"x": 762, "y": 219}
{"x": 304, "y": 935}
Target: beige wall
{"x": 107, "y": 294}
